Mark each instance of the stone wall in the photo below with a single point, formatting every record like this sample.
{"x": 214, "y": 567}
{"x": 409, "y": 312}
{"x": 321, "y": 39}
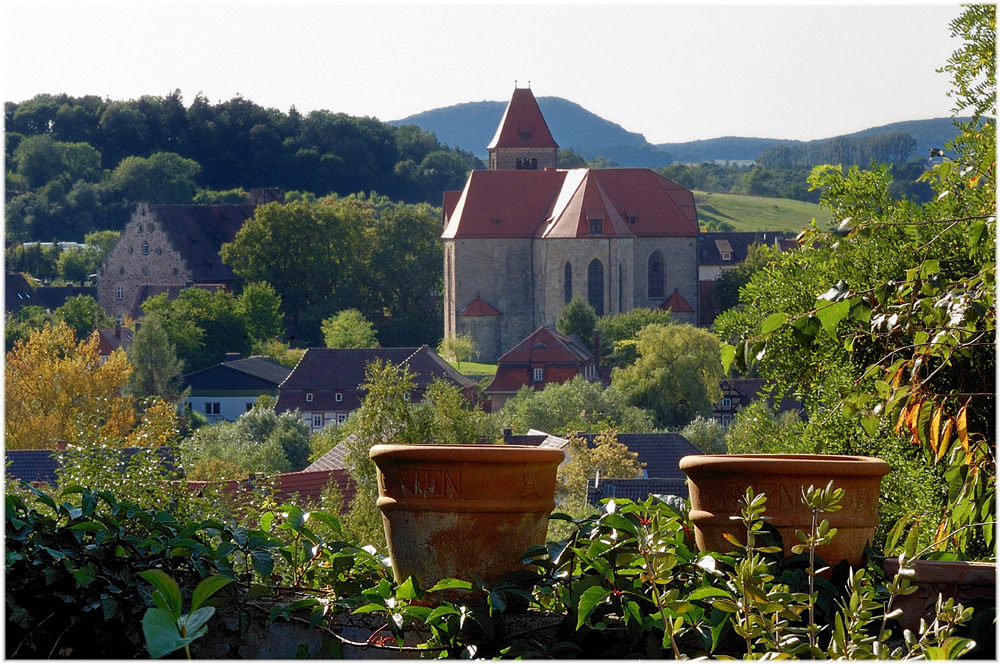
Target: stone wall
{"x": 505, "y": 159}
{"x": 680, "y": 267}
{"x": 143, "y": 255}
{"x": 551, "y": 256}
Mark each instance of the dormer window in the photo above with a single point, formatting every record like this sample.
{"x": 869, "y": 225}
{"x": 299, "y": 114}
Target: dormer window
{"x": 597, "y": 227}
{"x": 727, "y": 255}
{"x": 633, "y": 220}
{"x": 525, "y": 135}
{"x": 309, "y": 397}
{"x": 339, "y": 397}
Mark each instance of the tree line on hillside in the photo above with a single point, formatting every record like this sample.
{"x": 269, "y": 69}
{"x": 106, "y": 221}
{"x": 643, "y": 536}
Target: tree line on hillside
{"x": 78, "y": 164}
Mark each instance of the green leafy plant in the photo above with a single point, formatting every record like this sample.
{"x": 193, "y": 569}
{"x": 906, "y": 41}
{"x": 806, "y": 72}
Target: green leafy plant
{"x": 165, "y": 627}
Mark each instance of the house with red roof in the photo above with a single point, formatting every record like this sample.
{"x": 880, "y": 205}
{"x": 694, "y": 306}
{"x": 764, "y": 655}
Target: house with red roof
{"x": 326, "y": 383}
{"x": 544, "y": 357}
{"x": 524, "y": 237}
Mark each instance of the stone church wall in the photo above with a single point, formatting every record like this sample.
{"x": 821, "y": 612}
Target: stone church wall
{"x": 499, "y": 270}
{"x": 551, "y": 256}
{"x": 680, "y": 266}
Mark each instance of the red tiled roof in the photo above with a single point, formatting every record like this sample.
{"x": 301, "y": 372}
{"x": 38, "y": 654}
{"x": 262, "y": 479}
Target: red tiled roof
{"x": 677, "y": 304}
{"x": 479, "y": 307}
{"x": 543, "y": 348}
{"x": 110, "y": 338}
{"x": 301, "y": 487}
{"x": 560, "y": 203}
{"x": 523, "y": 125}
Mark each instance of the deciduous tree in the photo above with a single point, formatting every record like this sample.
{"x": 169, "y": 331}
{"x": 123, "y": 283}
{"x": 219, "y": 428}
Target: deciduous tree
{"x": 349, "y": 329}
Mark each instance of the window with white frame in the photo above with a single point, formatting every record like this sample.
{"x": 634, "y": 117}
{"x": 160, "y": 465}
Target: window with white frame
{"x": 120, "y": 293}
{"x": 338, "y": 397}
{"x": 341, "y": 418}
{"x": 539, "y": 375}
{"x": 727, "y": 402}
{"x": 318, "y": 421}
{"x": 309, "y": 397}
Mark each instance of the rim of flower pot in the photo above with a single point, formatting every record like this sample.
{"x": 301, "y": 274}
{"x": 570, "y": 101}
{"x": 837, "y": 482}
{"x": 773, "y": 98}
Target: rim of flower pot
{"x": 790, "y": 463}
{"x": 460, "y": 452}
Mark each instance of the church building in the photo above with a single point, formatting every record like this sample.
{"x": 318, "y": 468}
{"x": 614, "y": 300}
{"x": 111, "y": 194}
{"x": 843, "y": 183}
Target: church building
{"x": 522, "y": 238}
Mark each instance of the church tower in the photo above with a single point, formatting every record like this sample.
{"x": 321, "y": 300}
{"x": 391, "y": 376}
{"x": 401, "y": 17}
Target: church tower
{"x": 523, "y": 140}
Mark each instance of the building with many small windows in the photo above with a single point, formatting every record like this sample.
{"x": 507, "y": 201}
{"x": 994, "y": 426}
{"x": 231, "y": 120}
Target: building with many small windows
{"x": 522, "y": 238}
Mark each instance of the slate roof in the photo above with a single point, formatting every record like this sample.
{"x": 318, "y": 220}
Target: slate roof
{"x": 711, "y": 245}
{"x": 631, "y": 202}
{"x": 661, "y": 452}
{"x": 255, "y": 372}
{"x": 18, "y": 292}
{"x": 41, "y": 466}
{"x": 535, "y": 438}
{"x": 635, "y": 490}
{"x": 198, "y": 233}
{"x": 522, "y": 125}
{"x": 324, "y": 372}
{"x": 53, "y": 297}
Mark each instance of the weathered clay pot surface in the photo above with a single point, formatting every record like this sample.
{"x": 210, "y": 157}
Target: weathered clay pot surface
{"x": 463, "y": 511}
{"x": 717, "y": 482}
{"x": 966, "y": 582}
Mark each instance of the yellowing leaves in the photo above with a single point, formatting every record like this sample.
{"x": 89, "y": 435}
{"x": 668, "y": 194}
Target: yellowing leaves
{"x": 57, "y": 389}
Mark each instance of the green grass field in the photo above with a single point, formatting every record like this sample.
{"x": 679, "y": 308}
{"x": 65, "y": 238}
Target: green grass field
{"x": 475, "y": 368}
{"x": 754, "y": 213}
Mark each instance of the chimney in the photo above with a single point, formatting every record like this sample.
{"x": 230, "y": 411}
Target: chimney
{"x": 118, "y": 330}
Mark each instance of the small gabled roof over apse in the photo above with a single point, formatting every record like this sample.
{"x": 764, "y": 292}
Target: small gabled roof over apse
{"x": 677, "y": 304}
{"x": 479, "y": 308}
{"x": 547, "y": 345}
{"x": 523, "y": 125}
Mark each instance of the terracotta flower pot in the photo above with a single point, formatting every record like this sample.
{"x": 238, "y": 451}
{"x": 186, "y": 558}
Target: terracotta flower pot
{"x": 966, "y": 582}
{"x": 717, "y": 482}
{"x": 463, "y": 511}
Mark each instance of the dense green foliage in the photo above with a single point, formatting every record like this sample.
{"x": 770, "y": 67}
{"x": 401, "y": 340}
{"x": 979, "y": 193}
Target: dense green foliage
{"x": 349, "y": 329}
{"x": 79, "y": 164}
{"x": 886, "y": 325}
{"x": 379, "y": 257}
{"x": 260, "y": 441}
{"x": 576, "y": 405}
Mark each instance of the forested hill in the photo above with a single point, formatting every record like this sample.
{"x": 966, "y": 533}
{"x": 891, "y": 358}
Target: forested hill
{"x": 471, "y": 126}
{"x": 78, "y": 164}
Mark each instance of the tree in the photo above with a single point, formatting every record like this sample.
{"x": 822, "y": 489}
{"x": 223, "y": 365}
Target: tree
{"x": 57, "y": 389}
{"x": 155, "y": 367}
{"x": 707, "y": 434}
{"x": 578, "y": 318}
{"x": 618, "y": 333}
{"x": 606, "y": 458}
{"x": 576, "y": 405}
{"x": 449, "y": 418}
{"x": 676, "y": 375}
{"x": 260, "y": 308}
{"x": 83, "y": 314}
{"x": 260, "y": 441}
{"x": 349, "y": 329}
{"x": 76, "y": 264}
{"x": 892, "y": 324}
{"x": 726, "y": 289}
{"x": 457, "y": 348}
{"x": 164, "y": 177}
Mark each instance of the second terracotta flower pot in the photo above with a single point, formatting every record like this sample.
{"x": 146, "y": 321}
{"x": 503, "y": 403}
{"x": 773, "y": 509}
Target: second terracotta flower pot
{"x": 463, "y": 511}
{"x": 717, "y": 482}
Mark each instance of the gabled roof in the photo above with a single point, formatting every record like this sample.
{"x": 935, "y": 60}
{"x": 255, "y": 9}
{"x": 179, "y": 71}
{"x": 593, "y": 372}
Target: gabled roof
{"x": 560, "y": 203}
{"x": 522, "y": 125}
{"x": 635, "y": 489}
{"x": 548, "y": 345}
{"x": 198, "y": 233}
{"x": 53, "y": 297}
{"x": 711, "y": 245}
{"x": 256, "y": 372}
{"x": 660, "y": 452}
{"x": 478, "y": 308}
{"x": 677, "y": 304}
{"x": 580, "y": 202}
{"x": 111, "y": 338}
{"x": 18, "y": 292}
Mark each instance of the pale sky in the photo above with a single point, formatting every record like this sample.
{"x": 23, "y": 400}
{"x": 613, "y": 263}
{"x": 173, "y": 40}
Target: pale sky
{"x": 672, "y": 72}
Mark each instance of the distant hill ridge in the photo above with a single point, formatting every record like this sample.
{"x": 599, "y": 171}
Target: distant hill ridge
{"x": 470, "y": 126}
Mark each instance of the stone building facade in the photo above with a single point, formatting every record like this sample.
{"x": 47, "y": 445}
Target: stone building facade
{"x": 164, "y": 248}
{"x": 524, "y": 237}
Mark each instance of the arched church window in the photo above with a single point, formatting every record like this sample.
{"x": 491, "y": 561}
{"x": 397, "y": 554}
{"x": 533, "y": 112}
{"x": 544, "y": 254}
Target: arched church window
{"x": 654, "y": 275}
{"x": 568, "y": 282}
{"x": 595, "y": 286}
